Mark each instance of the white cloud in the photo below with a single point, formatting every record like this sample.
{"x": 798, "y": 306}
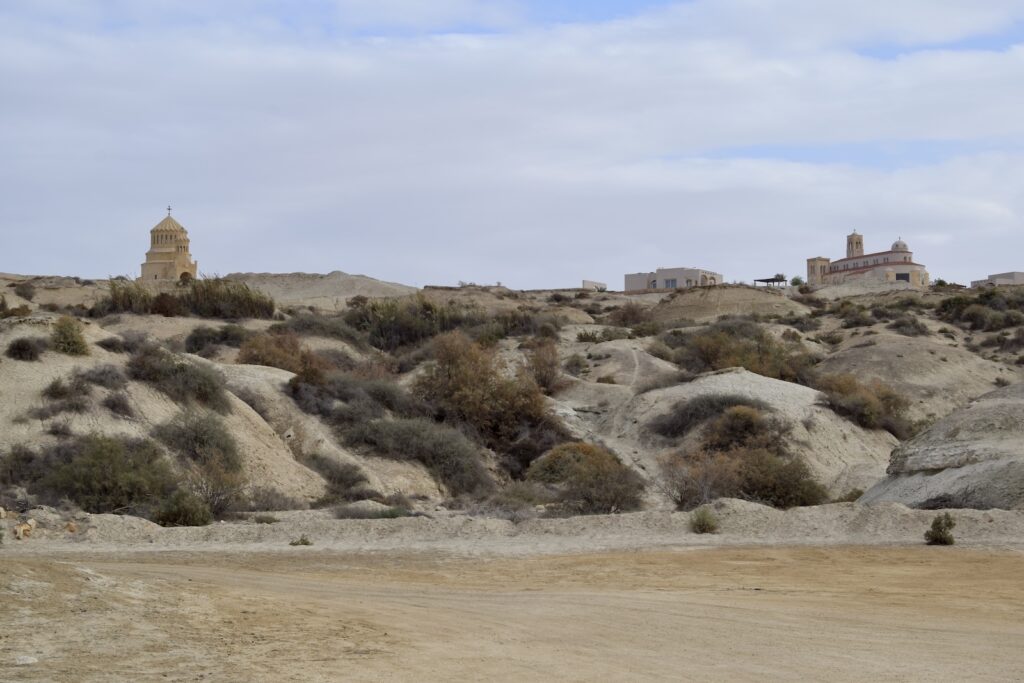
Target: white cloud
{"x": 537, "y": 156}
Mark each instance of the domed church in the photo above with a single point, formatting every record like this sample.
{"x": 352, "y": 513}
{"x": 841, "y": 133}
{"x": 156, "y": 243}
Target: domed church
{"x": 895, "y": 265}
{"x": 168, "y": 257}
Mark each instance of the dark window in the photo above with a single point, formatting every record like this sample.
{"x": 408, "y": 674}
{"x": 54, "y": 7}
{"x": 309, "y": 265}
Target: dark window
{"x": 905, "y": 277}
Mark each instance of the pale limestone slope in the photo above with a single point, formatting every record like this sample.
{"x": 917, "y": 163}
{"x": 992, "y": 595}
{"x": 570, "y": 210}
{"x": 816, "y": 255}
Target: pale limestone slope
{"x": 973, "y": 457}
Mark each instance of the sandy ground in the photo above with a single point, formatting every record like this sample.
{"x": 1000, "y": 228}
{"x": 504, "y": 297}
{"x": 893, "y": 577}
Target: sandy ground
{"x": 846, "y": 613}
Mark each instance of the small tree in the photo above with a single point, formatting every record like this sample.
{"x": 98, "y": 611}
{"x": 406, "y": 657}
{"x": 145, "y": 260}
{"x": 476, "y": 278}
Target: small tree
{"x": 797, "y": 281}
{"x": 67, "y": 337}
{"x": 941, "y": 532}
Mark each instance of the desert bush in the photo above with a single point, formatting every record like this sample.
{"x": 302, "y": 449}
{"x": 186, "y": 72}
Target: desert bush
{"x": 606, "y": 379}
{"x": 105, "y": 474}
{"x": 738, "y": 343}
{"x": 266, "y": 498}
{"x": 468, "y": 385}
{"x": 703, "y": 521}
{"x": 590, "y": 479}
{"x": 26, "y": 290}
{"x": 941, "y": 532}
{"x": 178, "y": 378}
{"x": 629, "y": 315}
{"x": 517, "y": 501}
{"x": 183, "y": 508}
{"x": 685, "y": 415}
{"x": 107, "y": 376}
{"x": 301, "y": 540}
{"x": 265, "y": 519}
{"x": 392, "y": 323}
{"x": 909, "y": 326}
{"x": 282, "y": 350}
{"x": 333, "y": 327}
{"x": 791, "y": 336}
{"x": 167, "y": 305}
{"x": 202, "y": 438}
{"x": 225, "y": 299}
{"x": 345, "y": 481}
{"x": 449, "y": 455}
{"x": 119, "y": 404}
{"x": 576, "y": 365}
{"x": 60, "y": 428}
{"x": 744, "y": 426}
{"x": 203, "y": 337}
{"x": 543, "y": 364}
{"x": 851, "y": 496}
{"x": 699, "y": 477}
{"x": 588, "y": 336}
{"x": 219, "y": 483}
{"x": 872, "y": 406}
{"x": 27, "y": 348}
{"x": 775, "y": 480}
{"x": 126, "y": 297}
{"x": 66, "y": 337}
{"x": 355, "y": 512}
{"x": 58, "y": 389}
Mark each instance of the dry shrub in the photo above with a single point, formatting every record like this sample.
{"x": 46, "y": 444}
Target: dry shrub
{"x": 468, "y": 385}
{"x": 310, "y": 324}
{"x": 345, "y": 481}
{"x": 590, "y": 480}
{"x": 544, "y": 367}
{"x": 27, "y": 348}
{"x": 107, "y": 376}
{"x": 218, "y": 484}
{"x": 909, "y": 326}
{"x": 183, "y": 508}
{"x": 685, "y": 415}
{"x": 202, "y": 438}
{"x": 26, "y": 290}
{"x": 775, "y": 480}
{"x": 58, "y": 389}
{"x": 127, "y": 297}
{"x": 872, "y": 406}
{"x": 282, "y": 350}
{"x": 226, "y": 299}
{"x": 178, "y": 378}
{"x": 118, "y": 404}
{"x": 703, "y": 521}
{"x": 745, "y": 426}
{"x": 66, "y": 337}
{"x": 693, "y": 479}
{"x": 393, "y": 323}
{"x": 941, "y": 532}
{"x": 629, "y": 315}
{"x": 167, "y": 305}
{"x": 448, "y": 454}
{"x": 203, "y": 339}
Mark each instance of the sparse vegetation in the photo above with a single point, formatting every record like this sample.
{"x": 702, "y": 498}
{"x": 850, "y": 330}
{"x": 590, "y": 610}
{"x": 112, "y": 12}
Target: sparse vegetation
{"x": 345, "y": 481}
{"x": 909, "y": 326}
{"x": 107, "y": 376}
{"x": 301, "y": 540}
{"x": 183, "y": 508}
{"x": 542, "y": 361}
{"x": 941, "y": 531}
{"x": 66, "y": 337}
{"x": 178, "y": 378}
{"x": 282, "y": 350}
{"x": 686, "y": 415}
{"x": 26, "y": 290}
{"x": 265, "y": 519}
{"x": 356, "y": 512}
{"x": 203, "y": 340}
{"x": 27, "y": 348}
{"x": 873, "y": 406}
{"x": 204, "y": 297}
{"x": 119, "y": 404}
{"x": 589, "y": 479}
{"x": 703, "y": 520}
{"x": 202, "y": 438}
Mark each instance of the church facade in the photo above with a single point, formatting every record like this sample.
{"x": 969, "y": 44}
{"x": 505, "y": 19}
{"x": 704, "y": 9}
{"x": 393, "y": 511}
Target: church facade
{"x": 168, "y": 257}
{"x": 895, "y": 265}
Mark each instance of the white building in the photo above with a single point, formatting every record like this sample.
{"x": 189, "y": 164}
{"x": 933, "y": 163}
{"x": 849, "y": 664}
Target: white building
{"x": 895, "y": 265}
{"x": 1014, "y": 278}
{"x": 672, "y": 278}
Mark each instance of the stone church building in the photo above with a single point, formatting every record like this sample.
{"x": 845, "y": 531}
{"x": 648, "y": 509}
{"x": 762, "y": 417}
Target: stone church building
{"x": 895, "y": 265}
{"x": 168, "y": 257}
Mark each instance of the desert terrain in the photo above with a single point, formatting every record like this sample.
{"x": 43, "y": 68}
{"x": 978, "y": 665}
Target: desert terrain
{"x": 307, "y": 477}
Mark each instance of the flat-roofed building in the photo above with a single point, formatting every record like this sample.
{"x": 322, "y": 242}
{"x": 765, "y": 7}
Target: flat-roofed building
{"x": 1014, "y": 278}
{"x": 672, "y": 278}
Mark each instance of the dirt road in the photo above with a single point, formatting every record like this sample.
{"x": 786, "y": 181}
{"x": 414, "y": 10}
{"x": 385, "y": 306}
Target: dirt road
{"x": 837, "y": 614}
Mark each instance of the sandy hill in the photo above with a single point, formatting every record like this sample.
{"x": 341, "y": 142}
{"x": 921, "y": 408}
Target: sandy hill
{"x": 328, "y": 292}
{"x": 707, "y": 303}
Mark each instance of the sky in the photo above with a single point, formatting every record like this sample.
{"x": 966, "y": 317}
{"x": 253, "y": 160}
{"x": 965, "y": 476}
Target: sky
{"x": 532, "y": 143}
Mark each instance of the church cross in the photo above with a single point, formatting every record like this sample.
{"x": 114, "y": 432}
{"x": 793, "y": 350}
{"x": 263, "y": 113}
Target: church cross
{"x": 168, "y": 209}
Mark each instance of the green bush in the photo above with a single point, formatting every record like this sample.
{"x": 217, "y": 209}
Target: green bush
{"x": 106, "y": 474}
{"x": 178, "y": 378}
{"x": 684, "y": 416}
{"x": 202, "y": 438}
{"x": 27, "y": 348}
{"x": 450, "y": 456}
{"x": 941, "y": 532}
{"x": 393, "y": 323}
{"x": 771, "y": 479}
{"x": 590, "y": 479}
{"x": 183, "y": 508}
{"x": 67, "y": 337}
{"x": 703, "y": 521}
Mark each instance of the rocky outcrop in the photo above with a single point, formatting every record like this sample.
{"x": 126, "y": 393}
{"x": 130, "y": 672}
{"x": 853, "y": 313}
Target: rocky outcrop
{"x": 972, "y": 458}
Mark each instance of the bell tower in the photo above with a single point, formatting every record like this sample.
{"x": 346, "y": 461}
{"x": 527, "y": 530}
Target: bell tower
{"x": 854, "y": 245}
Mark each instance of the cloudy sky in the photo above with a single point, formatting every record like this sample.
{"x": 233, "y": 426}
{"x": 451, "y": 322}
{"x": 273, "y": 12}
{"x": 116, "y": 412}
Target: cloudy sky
{"x": 535, "y": 143}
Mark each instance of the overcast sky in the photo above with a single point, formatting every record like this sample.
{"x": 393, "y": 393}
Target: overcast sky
{"x": 532, "y": 143}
